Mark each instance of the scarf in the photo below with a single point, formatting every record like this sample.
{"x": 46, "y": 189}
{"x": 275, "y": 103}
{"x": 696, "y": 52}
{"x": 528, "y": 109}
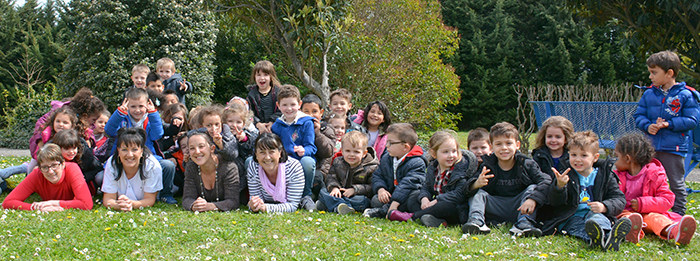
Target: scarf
{"x": 278, "y": 191}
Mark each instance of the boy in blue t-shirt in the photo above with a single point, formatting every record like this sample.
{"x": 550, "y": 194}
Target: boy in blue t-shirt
{"x": 667, "y": 112}
{"x": 296, "y": 129}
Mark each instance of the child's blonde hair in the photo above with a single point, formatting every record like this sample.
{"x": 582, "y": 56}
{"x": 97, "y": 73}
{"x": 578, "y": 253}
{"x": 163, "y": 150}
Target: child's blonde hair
{"x": 584, "y": 140}
{"x": 355, "y": 138}
{"x": 557, "y": 122}
{"x": 236, "y": 108}
{"x": 194, "y": 117}
{"x": 637, "y": 146}
{"x": 166, "y": 63}
{"x": 440, "y": 137}
{"x": 140, "y": 68}
{"x": 265, "y": 67}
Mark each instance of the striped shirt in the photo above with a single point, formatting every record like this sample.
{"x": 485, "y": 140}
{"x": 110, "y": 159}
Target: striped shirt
{"x": 294, "y": 181}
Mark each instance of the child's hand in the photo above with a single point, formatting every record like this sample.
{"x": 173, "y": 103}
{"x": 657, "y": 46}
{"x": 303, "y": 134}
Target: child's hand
{"x": 527, "y": 207}
{"x": 183, "y": 86}
{"x": 177, "y": 121}
{"x": 336, "y": 192}
{"x": 597, "y": 207}
{"x": 653, "y": 129}
{"x": 383, "y": 195}
{"x": 317, "y": 124}
{"x": 218, "y": 139}
{"x": 483, "y": 179}
{"x": 299, "y": 150}
{"x": 394, "y": 206}
{"x": 240, "y": 134}
{"x": 634, "y": 204}
{"x": 150, "y": 107}
{"x": 661, "y": 123}
{"x": 563, "y": 178}
{"x": 348, "y": 192}
{"x": 424, "y": 203}
{"x": 125, "y": 105}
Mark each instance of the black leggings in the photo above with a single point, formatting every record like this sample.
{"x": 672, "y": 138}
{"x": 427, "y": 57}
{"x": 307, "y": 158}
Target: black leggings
{"x": 443, "y": 210}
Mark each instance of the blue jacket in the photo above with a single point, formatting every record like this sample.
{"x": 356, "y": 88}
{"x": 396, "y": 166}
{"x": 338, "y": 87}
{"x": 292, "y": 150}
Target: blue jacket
{"x": 299, "y": 133}
{"x": 153, "y": 126}
{"x": 173, "y": 83}
{"x": 409, "y": 176}
{"x": 679, "y": 108}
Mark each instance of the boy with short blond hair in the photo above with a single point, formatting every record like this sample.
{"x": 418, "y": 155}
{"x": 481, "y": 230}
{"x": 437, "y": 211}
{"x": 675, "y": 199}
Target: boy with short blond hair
{"x": 341, "y": 103}
{"x": 349, "y": 179}
{"x": 165, "y": 67}
{"x": 510, "y": 182}
{"x": 138, "y": 75}
{"x": 667, "y": 112}
{"x": 587, "y": 199}
{"x": 296, "y": 130}
{"x": 478, "y": 143}
{"x": 399, "y": 178}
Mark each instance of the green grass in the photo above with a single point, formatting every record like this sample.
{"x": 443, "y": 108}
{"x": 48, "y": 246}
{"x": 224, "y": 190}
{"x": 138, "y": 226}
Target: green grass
{"x": 168, "y": 232}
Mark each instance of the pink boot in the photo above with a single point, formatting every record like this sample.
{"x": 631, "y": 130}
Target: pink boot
{"x": 682, "y": 232}
{"x": 396, "y": 215}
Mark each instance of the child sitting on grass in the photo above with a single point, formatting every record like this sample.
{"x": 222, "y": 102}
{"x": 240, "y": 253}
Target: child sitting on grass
{"x": 587, "y": 200}
{"x": 643, "y": 180}
{"x": 442, "y": 199}
{"x": 349, "y": 179}
{"x": 479, "y": 144}
{"x": 509, "y": 188}
{"x": 397, "y": 181}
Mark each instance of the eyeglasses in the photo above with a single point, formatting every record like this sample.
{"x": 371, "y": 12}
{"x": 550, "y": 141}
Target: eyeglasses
{"x": 53, "y": 167}
{"x": 389, "y": 143}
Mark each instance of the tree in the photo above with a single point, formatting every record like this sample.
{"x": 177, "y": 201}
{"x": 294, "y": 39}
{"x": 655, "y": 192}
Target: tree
{"x": 306, "y": 30}
{"x": 393, "y": 51}
{"x": 508, "y": 42}
{"x": 110, "y": 37}
{"x": 653, "y": 26}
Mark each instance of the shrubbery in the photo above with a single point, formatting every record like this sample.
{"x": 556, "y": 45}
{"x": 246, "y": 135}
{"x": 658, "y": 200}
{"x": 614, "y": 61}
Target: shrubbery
{"x": 19, "y": 121}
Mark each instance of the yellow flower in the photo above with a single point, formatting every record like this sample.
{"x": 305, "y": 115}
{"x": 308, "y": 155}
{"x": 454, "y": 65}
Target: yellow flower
{"x": 357, "y": 222}
{"x": 322, "y": 212}
{"x": 144, "y": 223}
{"x": 638, "y": 244}
{"x": 400, "y": 240}
{"x": 171, "y": 224}
{"x": 296, "y": 212}
{"x": 489, "y": 253}
{"x": 96, "y": 211}
{"x": 54, "y": 240}
{"x": 357, "y": 254}
{"x": 412, "y": 235}
{"x": 60, "y": 219}
{"x": 108, "y": 228}
{"x": 233, "y": 222}
{"x": 544, "y": 255}
{"x": 475, "y": 238}
{"x": 692, "y": 201}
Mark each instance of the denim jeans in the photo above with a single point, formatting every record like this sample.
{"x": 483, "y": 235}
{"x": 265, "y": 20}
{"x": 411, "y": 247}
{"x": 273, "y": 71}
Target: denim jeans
{"x": 308, "y": 163}
{"x": 358, "y": 202}
{"x": 576, "y": 225}
{"x": 168, "y": 175}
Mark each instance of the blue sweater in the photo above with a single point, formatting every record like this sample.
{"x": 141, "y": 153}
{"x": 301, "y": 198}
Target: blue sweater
{"x": 299, "y": 133}
{"x": 153, "y": 126}
{"x": 679, "y": 108}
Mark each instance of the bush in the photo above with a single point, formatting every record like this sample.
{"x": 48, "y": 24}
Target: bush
{"x": 19, "y": 121}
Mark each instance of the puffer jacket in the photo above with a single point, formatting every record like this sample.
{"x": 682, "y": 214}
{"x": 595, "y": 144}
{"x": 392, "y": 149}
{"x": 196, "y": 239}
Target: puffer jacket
{"x": 679, "y": 108}
{"x": 341, "y": 175}
{"x": 462, "y": 171}
{"x": 656, "y": 196}
{"x": 409, "y": 176}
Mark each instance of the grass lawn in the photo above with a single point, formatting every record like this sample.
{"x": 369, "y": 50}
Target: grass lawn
{"x": 168, "y": 232}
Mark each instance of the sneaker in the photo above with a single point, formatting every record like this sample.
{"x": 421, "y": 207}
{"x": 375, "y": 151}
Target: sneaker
{"x": 168, "y": 200}
{"x": 320, "y": 206}
{"x": 618, "y": 234}
{"x": 344, "y": 209}
{"x": 635, "y": 233}
{"x": 475, "y": 226}
{"x": 596, "y": 233}
{"x": 525, "y": 228}
{"x": 307, "y": 203}
{"x": 431, "y": 221}
{"x": 682, "y": 232}
{"x": 396, "y": 215}
{"x": 374, "y": 213}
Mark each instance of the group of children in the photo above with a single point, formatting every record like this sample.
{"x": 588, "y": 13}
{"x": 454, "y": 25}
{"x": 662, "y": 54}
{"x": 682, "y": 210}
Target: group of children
{"x": 364, "y": 163}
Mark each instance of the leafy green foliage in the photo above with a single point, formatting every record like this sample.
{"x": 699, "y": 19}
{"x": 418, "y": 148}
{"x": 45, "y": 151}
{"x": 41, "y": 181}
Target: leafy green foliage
{"x": 19, "y": 121}
{"x": 110, "y": 37}
{"x": 392, "y": 54}
{"x": 653, "y": 26}
{"x": 508, "y": 42}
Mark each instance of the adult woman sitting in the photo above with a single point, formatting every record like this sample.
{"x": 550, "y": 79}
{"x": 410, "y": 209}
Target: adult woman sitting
{"x": 132, "y": 177}
{"x": 211, "y": 182}
{"x": 60, "y": 185}
{"x": 275, "y": 181}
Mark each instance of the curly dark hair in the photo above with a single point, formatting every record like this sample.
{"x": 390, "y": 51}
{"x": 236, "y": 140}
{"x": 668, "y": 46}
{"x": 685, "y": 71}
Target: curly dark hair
{"x": 637, "y": 146}
{"x": 84, "y": 103}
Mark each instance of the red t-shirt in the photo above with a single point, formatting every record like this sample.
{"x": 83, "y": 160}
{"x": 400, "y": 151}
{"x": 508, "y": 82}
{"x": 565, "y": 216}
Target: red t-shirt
{"x": 71, "y": 190}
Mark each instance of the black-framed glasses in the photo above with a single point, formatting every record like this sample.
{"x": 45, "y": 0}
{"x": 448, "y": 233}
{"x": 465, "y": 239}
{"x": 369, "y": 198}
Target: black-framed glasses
{"x": 389, "y": 143}
{"x": 53, "y": 167}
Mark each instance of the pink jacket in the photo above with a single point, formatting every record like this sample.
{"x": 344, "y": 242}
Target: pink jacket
{"x": 380, "y": 144}
{"x": 656, "y": 196}
{"x": 38, "y": 131}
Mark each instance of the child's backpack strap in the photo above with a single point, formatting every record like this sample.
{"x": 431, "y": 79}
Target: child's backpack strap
{"x": 695, "y": 93}
{"x": 472, "y": 161}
